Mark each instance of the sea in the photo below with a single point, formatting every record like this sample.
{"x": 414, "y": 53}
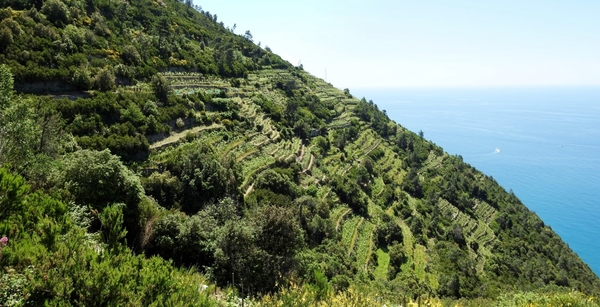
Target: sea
{"x": 542, "y": 143}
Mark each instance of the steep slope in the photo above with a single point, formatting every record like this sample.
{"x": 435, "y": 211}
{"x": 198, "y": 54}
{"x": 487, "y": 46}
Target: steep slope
{"x": 257, "y": 171}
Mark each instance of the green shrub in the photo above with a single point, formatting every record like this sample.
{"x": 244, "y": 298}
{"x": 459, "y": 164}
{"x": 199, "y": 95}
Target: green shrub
{"x": 98, "y": 178}
{"x": 5, "y": 13}
{"x": 161, "y": 87}
{"x": 82, "y": 79}
{"x": 75, "y": 34}
{"x": 56, "y": 11}
{"x": 105, "y": 80}
{"x": 6, "y": 37}
{"x": 130, "y": 55}
{"x": 12, "y": 25}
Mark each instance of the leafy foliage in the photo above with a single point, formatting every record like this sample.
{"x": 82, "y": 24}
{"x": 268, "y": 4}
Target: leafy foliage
{"x": 98, "y": 179}
{"x": 50, "y": 259}
{"x": 164, "y": 142}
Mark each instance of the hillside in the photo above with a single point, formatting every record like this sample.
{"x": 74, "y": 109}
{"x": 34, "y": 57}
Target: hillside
{"x": 227, "y": 165}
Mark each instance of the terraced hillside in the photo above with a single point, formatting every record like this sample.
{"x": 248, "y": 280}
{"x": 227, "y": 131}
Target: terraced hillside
{"x": 244, "y": 167}
{"x": 404, "y": 187}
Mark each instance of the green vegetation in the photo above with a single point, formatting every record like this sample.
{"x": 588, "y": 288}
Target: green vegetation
{"x": 150, "y": 156}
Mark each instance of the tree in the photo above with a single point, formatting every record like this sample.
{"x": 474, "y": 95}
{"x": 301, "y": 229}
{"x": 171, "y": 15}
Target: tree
{"x": 314, "y": 219}
{"x": 350, "y": 193}
{"x": 164, "y": 237}
{"x": 277, "y": 183}
{"x": 82, "y": 79}
{"x": 205, "y": 177}
{"x": 18, "y": 129}
{"x": 196, "y": 241}
{"x": 421, "y": 134}
{"x": 131, "y": 55}
{"x": 457, "y": 235}
{"x": 236, "y": 255}
{"x": 161, "y": 87}
{"x": 322, "y": 144}
{"x": 50, "y": 136}
{"x": 112, "y": 225}
{"x": 397, "y": 258}
{"x": 164, "y": 188}
{"x": 278, "y": 237}
{"x": 99, "y": 178}
{"x": 6, "y": 38}
{"x": 291, "y": 111}
{"x": 105, "y": 80}
{"x": 388, "y": 231}
{"x": 12, "y": 191}
{"x": 56, "y": 11}
{"x": 248, "y": 35}
{"x": 6, "y": 86}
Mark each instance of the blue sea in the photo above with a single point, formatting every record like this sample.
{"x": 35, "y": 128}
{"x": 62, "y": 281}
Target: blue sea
{"x": 543, "y": 143}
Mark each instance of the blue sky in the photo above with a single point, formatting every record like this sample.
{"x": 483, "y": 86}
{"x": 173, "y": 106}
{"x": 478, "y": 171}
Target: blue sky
{"x": 393, "y": 44}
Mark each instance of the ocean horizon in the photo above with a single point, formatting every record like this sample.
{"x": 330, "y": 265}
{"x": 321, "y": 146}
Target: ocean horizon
{"x": 543, "y": 143}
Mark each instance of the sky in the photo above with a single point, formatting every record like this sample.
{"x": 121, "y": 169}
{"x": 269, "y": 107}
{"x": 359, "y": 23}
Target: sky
{"x": 435, "y": 43}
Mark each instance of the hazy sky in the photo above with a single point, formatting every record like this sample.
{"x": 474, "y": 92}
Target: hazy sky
{"x": 453, "y": 43}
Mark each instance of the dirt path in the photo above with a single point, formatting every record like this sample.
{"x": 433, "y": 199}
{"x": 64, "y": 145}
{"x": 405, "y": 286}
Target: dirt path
{"x": 249, "y": 189}
{"x": 175, "y": 137}
{"x": 312, "y": 159}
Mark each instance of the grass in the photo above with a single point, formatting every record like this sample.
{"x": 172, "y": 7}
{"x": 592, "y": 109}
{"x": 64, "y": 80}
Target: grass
{"x": 255, "y": 165}
{"x": 383, "y": 262}
{"x": 349, "y": 229}
{"x": 306, "y": 158}
{"x": 378, "y": 187}
{"x": 364, "y": 243}
{"x": 246, "y": 154}
{"x": 355, "y": 236}
{"x": 338, "y": 212}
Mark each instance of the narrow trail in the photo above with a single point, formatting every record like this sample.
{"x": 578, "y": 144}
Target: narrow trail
{"x": 175, "y": 137}
{"x": 312, "y": 159}
{"x": 249, "y": 190}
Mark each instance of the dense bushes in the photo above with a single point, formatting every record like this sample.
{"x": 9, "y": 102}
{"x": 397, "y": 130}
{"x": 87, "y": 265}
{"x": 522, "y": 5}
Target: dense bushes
{"x": 50, "y": 259}
{"x": 56, "y": 11}
{"x": 258, "y": 249}
{"x": 205, "y": 177}
{"x": 68, "y": 28}
{"x": 98, "y": 178}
